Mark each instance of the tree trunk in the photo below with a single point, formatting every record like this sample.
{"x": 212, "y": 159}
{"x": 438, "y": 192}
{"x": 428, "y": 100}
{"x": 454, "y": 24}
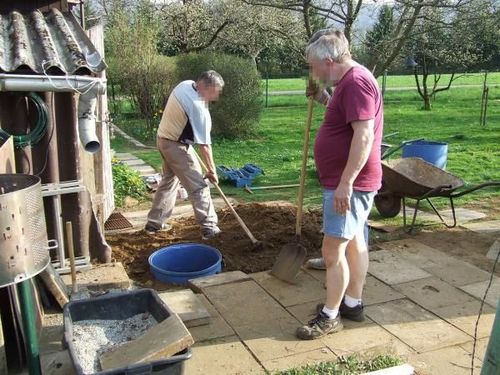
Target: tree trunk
{"x": 427, "y": 103}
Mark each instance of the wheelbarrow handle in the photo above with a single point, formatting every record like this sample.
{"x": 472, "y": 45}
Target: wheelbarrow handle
{"x": 400, "y": 146}
{"x": 475, "y": 187}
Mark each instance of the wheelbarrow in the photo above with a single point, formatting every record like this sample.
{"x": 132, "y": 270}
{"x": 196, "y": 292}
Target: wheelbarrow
{"x": 417, "y": 179}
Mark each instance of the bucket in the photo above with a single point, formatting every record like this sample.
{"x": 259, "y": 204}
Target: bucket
{"x": 432, "y": 152}
{"x": 179, "y": 263}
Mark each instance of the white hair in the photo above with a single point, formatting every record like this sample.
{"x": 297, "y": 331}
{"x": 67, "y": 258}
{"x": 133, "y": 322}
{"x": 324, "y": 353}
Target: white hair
{"x": 211, "y": 78}
{"x": 328, "y": 44}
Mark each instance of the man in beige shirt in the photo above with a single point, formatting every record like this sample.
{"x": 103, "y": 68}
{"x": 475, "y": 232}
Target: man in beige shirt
{"x": 185, "y": 122}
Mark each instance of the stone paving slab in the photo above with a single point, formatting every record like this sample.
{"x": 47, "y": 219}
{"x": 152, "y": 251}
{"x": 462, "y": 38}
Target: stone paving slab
{"x": 463, "y": 215}
{"x": 57, "y": 363}
{"x": 275, "y": 338}
{"x": 415, "y": 252}
{"x": 298, "y": 360}
{"x": 480, "y": 350}
{"x": 134, "y": 162}
{"x": 222, "y": 356}
{"x": 485, "y": 227}
{"x": 304, "y": 312}
{"x": 101, "y": 277}
{"x": 144, "y": 170}
{"x": 465, "y": 317}
{"x": 433, "y": 293}
{"x": 375, "y": 292}
{"x": 453, "y": 360}
{"x": 418, "y": 328}
{"x": 494, "y": 250}
{"x": 188, "y": 306}
{"x": 366, "y": 339}
{"x": 306, "y": 289}
{"x": 124, "y": 156}
{"x": 216, "y": 328}
{"x": 478, "y": 290}
{"x": 219, "y": 279}
{"x": 392, "y": 269}
{"x": 244, "y": 303}
{"x": 317, "y": 274}
{"x": 436, "y": 262}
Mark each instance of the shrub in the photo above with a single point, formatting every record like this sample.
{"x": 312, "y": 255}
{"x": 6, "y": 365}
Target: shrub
{"x": 147, "y": 85}
{"x": 237, "y": 112}
{"x": 127, "y": 183}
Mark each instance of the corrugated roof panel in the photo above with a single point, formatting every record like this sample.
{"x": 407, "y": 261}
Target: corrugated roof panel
{"x": 51, "y": 43}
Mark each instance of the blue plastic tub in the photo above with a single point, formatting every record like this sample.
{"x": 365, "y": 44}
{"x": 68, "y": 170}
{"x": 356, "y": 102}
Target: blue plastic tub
{"x": 179, "y": 263}
{"x": 433, "y": 152}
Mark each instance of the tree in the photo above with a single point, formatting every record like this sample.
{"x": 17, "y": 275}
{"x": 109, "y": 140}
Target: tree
{"x": 131, "y": 37}
{"x": 224, "y": 25}
{"x": 345, "y": 13}
{"x": 377, "y": 38}
{"x": 440, "y": 45}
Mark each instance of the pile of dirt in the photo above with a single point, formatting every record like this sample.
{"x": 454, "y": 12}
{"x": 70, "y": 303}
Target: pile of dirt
{"x": 272, "y": 224}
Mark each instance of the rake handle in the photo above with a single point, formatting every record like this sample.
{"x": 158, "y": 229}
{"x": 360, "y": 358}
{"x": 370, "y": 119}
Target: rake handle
{"x": 240, "y": 221}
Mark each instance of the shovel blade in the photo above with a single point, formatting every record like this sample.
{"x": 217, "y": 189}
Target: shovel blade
{"x": 289, "y": 261}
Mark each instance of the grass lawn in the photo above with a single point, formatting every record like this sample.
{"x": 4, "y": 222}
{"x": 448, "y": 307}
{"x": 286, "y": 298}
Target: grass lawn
{"x": 474, "y": 152}
{"x": 287, "y": 84}
{"x": 345, "y": 366}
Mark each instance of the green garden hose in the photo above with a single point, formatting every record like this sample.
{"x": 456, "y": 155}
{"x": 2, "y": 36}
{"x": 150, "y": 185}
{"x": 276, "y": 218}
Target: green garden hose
{"x": 40, "y": 128}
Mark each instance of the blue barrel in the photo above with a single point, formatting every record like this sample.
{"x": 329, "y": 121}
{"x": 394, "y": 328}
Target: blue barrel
{"x": 433, "y": 152}
{"x": 179, "y": 263}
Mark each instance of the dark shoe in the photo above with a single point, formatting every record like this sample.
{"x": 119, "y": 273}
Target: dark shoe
{"x": 208, "y": 233}
{"x": 151, "y": 229}
{"x": 355, "y": 314}
{"x": 320, "y": 326}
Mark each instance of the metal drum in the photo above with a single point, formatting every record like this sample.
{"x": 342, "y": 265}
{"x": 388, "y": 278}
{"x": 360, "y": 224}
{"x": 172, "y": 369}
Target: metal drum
{"x": 23, "y": 234}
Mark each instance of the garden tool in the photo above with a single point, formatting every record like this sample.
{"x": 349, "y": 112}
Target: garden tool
{"x": 292, "y": 255}
{"x": 256, "y": 244}
{"x": 250, "y": 189}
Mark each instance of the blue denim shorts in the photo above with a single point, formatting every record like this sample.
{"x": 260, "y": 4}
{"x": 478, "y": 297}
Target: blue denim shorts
{"x": 353, "y": 221}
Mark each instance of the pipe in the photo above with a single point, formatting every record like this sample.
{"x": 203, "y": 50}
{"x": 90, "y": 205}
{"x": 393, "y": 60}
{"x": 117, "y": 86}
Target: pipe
{"x": 88, "y": 87}
{"x": 86, "y": 122}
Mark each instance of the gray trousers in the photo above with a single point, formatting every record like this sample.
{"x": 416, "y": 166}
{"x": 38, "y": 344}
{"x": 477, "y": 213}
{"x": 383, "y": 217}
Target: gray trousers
{"x": 180, "y": 164}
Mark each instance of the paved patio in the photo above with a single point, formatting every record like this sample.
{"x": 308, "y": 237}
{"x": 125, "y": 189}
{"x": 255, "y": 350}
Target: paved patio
{"x": 421, "y": 304}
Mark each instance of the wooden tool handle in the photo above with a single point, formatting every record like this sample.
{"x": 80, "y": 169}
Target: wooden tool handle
{"x": 300, "y": 202}
{"x": 240, "y": 221}
{"x": 71, "y": 253}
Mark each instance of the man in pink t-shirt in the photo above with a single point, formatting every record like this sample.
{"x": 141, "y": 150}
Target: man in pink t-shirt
{"x": 347, "y": 155}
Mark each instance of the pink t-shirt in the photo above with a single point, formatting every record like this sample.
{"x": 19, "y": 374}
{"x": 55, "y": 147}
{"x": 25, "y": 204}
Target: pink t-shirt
{"x": 356, "y": 97}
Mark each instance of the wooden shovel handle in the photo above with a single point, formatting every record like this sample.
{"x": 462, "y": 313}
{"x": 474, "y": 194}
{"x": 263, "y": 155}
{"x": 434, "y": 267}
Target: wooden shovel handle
{"x": 240, "y": 221}
{"x": 300, "y": 202}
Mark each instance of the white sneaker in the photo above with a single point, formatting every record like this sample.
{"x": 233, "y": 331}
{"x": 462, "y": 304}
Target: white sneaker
{"x": 316, "y": 264}
{"x": 208, "y": 233}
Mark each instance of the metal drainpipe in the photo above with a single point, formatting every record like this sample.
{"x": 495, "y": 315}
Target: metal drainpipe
{"x": 89, "y": 88}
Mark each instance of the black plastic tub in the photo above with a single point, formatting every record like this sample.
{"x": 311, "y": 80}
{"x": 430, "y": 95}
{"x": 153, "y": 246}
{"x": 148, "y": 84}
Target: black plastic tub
{"x": 117, "y": 306}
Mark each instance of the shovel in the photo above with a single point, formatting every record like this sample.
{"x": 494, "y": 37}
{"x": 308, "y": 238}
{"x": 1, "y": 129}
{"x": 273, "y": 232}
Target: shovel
{"x": 293, "y": 254}
{"x": 256, "y": 244}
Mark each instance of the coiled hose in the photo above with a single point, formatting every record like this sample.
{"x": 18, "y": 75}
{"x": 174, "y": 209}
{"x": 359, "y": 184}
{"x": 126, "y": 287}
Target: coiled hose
{"x": 40, "y": 128}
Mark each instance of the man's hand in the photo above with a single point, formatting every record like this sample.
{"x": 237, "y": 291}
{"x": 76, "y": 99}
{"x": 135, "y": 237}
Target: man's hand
{"x": 212, "y": 177}
{"x": 342, "y": 198}
{"x": 320, "y": 95}
{"x": 312, "y": 89}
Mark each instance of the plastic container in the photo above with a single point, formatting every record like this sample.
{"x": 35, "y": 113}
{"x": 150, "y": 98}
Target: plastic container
{"x": 179, "y": 263}
{"x": 117, "y": 306}
{"x": 433, "y": 152}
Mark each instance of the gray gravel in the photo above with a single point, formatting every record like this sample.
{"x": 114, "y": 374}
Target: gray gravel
{"x": 91, "y": 338}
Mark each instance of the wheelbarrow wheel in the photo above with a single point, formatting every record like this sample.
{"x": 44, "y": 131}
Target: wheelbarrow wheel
{"x": 388, "y": 204}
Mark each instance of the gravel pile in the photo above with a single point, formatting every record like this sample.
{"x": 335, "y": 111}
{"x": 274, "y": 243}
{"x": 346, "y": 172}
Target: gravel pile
{"x": 91, "y": 338}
